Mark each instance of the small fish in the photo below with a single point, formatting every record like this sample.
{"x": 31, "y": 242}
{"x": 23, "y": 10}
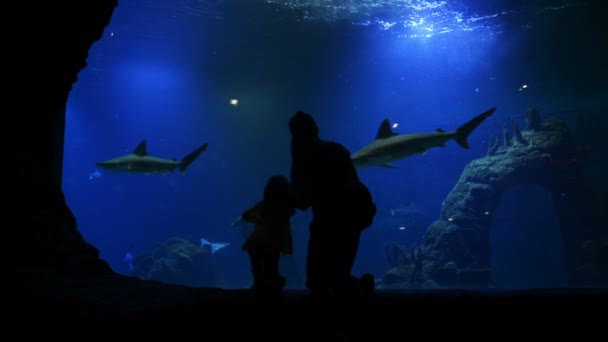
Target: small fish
{"x": 405, "y": 210}
{"x": 213, "y": 247}
{"x": 237, "y": 221}
{"x": 129, "y": 260}
{"x": 95, "y": 175}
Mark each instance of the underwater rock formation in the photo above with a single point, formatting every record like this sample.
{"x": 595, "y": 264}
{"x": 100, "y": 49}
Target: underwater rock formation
{"x": 456, "y": 247}
{"x": 396, "y": 255}
{"x": 594, "y": 262}
{"x": 533, "y": 119}
{"x": 176, "y": 261}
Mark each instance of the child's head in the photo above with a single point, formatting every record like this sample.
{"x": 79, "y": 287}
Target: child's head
{"x": 277, "y": 189}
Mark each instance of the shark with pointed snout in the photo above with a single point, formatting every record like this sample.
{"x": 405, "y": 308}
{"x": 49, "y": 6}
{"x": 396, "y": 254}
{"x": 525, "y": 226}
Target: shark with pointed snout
{"x": 139, "y": 161}
{"x": 389, "y": 146}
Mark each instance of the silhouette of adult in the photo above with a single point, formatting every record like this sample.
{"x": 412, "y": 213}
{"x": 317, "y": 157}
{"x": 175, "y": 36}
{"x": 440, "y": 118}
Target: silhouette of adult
{"x": 320, "y": 174}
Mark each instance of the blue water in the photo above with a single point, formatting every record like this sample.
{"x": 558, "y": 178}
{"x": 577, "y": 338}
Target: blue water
{"x": 167, "y": 73}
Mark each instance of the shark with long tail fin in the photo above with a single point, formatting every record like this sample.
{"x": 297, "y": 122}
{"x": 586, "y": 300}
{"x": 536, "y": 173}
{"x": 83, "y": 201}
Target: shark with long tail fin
{"x": 139, "y": 161}
{"x": 390, "y": 146}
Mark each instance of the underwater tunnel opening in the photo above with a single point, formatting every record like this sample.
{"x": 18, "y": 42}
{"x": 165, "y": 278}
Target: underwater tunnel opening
{"x": 526, "y": 243}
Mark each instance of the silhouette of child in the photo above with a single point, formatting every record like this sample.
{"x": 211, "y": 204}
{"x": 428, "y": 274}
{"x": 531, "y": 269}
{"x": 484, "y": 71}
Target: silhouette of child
{"x": 271, "y": 236}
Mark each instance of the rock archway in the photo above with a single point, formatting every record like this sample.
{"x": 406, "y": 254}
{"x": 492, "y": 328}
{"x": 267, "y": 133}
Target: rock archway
{"x": 456, "y": 248}
{"x": 525, "y": 240}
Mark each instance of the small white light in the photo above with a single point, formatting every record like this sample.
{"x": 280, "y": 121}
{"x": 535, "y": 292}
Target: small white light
{"x": 395, "y": 125}
{"x": 524, "y": 86}
{"x": 401, "y": 228}
{"x": 487, "y": 213}
{"x": 111, "y": 34}
{"x": 234, "y": 102}
{"x": 450, "y": 219}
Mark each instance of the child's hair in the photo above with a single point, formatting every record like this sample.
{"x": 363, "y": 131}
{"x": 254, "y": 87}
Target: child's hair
{"x": 277, "y": 189}
{"x": 277, "y": 194}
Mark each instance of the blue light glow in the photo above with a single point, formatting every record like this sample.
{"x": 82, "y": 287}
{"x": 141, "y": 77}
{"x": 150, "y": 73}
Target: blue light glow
{"x": 406, "y": 18}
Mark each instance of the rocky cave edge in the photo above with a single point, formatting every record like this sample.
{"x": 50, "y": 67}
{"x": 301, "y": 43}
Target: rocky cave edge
{"x": 55, "y": 275}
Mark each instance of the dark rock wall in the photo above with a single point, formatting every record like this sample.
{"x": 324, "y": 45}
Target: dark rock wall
{"x": 456, "y": 248}
{"x": 49, "y": 45}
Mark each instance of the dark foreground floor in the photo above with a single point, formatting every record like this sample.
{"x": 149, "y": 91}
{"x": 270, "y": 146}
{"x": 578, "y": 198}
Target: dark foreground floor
{"x": 65, "y": 305}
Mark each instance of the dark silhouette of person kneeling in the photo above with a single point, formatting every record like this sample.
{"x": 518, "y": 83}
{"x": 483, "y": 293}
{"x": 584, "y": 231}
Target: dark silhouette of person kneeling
{"x": 322, "y": 173}
{"x": 271, "y": 236}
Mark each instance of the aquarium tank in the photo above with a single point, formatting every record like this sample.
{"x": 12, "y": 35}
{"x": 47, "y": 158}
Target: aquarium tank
{"x": 477, "y": 126}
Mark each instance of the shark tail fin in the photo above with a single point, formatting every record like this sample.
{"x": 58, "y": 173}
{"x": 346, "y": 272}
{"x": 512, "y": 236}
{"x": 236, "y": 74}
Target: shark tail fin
{"x": 191, "y": 157}
{"x": 462, "y": 133}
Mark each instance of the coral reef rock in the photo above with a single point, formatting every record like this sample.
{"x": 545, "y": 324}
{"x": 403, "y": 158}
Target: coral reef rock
{"x": 456, "y": 247}
{"x": 176, "y": 261}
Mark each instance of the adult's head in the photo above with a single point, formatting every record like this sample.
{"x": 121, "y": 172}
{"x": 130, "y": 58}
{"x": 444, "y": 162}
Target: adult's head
{"x": 303, "y": 127}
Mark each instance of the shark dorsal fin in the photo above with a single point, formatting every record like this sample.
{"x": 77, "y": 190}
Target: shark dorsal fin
{"x": 385, "y": 130}
{"x": 440, "y": 130}
{"x": 140, "y": 150}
